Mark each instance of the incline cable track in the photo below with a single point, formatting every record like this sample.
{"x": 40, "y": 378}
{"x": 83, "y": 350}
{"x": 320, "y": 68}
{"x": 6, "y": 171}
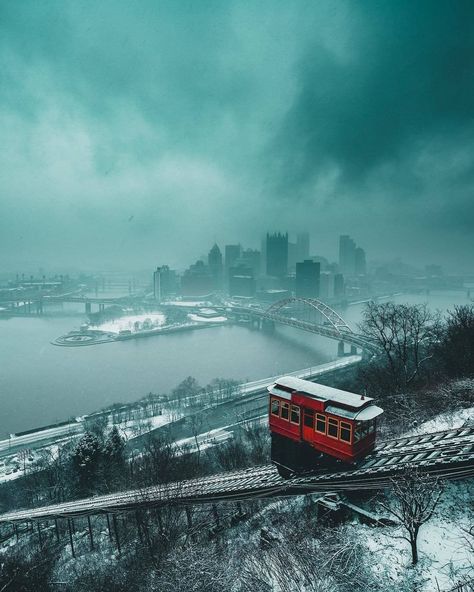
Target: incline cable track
{"x": 448, "y": 455}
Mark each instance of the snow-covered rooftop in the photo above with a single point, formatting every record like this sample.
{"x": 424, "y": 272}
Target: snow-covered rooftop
{"x": 323, "y": 392}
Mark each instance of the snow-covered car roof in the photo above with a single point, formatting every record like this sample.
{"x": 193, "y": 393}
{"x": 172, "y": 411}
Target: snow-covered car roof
{"x": 290, "y": 384}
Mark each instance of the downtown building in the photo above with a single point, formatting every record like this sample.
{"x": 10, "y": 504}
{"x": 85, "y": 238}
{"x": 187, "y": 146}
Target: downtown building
{"x": 352, "y": 259}
{"x": 197, "y": 281}
{"x": 276, "y": 254}
{"x": 164, "y": 283}
{"x": 307, "y": 279}
{"x": 216, "y": 266}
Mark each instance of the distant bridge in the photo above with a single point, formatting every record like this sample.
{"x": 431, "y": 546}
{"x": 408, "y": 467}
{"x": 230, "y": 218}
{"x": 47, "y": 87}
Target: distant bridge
{"x": 310, "y": 315}
{"x": 34, "y": 303}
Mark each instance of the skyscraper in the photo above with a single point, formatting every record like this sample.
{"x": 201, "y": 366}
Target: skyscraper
{"x": 277, "y": 254}
{"x": 360, "y": 262}
{"x": 251, "y": 258}
{"x": 307, "y": 279}
{"x": 292, "y": 259}
{"x": 347, "y": 250}
{"x": 232, "y": 253}
{"x": 214, "y": 260}
{"x": 241, "y": 281}
{"x": 302, "y": 246}
{"x": 157, "y": 284}
{"x": 197, "y": 281}
{"x": 164, "y": 282}
{"x": 338, "y": 285}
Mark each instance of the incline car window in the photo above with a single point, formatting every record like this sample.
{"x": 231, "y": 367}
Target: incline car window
{"x": 275, "y": 407}
{"x": 285, "y": 410}
{"x": 363, "y": 429}
{"x": 332, "y": 427}
{"x": 295, "y": 414}
{"x": 345, "y": 433}
{"x": 321, "y": 423}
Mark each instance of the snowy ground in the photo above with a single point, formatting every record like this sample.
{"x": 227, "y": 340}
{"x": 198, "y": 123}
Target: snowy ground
{"x": 444, "y": 421}
{"x": 136, "y": 427}
{"x": 17, "y": 465}
{"x": 187, "y": 303}
{"x": 199, "y": 319}
{"x": 445, "y": 557}
{"x": 133, "y": 323}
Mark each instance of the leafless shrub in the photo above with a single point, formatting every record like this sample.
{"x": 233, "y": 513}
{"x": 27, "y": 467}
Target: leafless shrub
{"x": 415, "y": 497}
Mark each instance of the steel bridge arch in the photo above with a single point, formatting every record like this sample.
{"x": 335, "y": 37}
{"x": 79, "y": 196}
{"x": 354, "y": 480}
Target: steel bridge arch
{"x": 335, "y": 320}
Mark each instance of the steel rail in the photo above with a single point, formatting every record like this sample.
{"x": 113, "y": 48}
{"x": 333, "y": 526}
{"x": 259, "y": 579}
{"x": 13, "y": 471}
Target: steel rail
{"x": 447, "y": 455}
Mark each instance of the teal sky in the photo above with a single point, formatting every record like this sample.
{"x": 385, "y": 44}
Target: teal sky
{"x": 136, "y": 133}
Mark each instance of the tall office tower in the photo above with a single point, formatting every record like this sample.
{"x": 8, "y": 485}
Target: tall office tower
{"x": 302, "y": 246}
{"x": 251, "y": 258}
{"x": 277, "y": 254}
{"x": 326, "y": 285}
{"x": 307, "y": 279}
{"x": 360, "y": 262}
{"x": 339, "y": 287}
{"x": 347, "y": 250}
{"x": 292, "y": 256}
{"x": 232, "y": 253}
{"x": 157, "y": 284}
{"x": 197, "y": 281}
{"x": 241, "y": 281}
{"x": 214, "y": 260}
{"x": 164, "y": 282}
{"x": 263, "y": 251}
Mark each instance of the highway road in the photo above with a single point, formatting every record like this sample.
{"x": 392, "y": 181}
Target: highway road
{"x": 42, "y": 437}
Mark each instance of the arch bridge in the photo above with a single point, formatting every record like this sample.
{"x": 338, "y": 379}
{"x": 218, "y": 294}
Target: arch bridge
{"x": 312, "y": 315}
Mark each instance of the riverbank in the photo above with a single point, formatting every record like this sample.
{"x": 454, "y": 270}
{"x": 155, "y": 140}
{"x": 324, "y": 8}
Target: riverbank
{"x": 20, "y": 452}
{"x": 41, "y": 384}
{"x": 96, "y": 337}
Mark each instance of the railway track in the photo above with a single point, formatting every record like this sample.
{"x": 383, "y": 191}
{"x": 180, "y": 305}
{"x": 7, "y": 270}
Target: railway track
{"x": 448, "y": 455}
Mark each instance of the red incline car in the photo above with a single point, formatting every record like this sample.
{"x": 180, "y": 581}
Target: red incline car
{"x": 314, "y": 426}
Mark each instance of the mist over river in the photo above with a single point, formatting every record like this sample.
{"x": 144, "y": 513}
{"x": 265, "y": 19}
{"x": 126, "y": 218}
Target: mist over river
{"x": 41, "y": 383}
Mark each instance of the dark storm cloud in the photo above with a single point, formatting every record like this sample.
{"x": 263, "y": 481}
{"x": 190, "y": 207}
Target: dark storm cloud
{"x": 130, "y": 126}
{"x": 407, "y": 77}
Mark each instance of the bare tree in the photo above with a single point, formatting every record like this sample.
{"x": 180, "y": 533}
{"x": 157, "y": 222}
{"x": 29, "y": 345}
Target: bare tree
{"x": 196, "y": 422}
{"x": 415, "y": 497}
{"x": 193, "y": 568}
{"x": 405, "y": 334}
{"x": 455, "y": 349}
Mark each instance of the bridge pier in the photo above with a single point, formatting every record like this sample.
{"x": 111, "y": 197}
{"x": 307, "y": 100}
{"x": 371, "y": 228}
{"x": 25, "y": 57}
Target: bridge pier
{"x": 366, "y": 354}
{"x": 88, "y": 307}
{"x": 101, "y": 307}
{"x": 353, "y": 350}
{"x": 268, "y": 325}
{"x": 91, "y": 536}
{"x": 340, "y": 349}
{"x": 71, "y": 542}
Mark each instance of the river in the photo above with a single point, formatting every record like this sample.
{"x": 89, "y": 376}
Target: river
{"x": 41, "y": 383}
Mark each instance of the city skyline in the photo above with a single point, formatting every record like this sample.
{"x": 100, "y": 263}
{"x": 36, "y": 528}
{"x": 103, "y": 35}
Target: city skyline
{"x": 39, "y": 268}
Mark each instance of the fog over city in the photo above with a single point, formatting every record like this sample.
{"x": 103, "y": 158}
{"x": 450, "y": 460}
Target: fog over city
{"x": 137, "y": 133}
